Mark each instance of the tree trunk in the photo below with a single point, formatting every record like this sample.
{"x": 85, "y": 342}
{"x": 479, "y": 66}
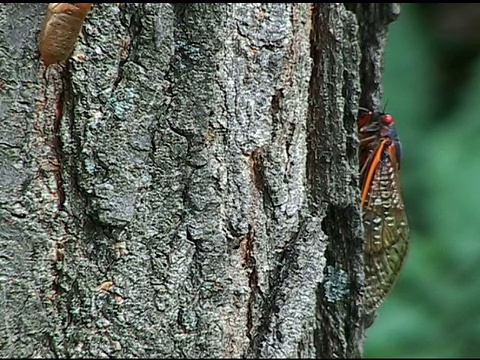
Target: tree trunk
{"x": 186, "y": 185}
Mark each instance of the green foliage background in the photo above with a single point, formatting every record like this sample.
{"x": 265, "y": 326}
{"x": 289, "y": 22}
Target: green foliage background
{"x": 432, "y": 87}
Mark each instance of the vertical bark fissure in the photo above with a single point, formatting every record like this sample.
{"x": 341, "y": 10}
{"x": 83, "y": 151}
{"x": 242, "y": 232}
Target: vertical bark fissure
{"x": 333, "y": 176}
{"x": 57, "y": 144}
{"x": 52, "y": 166}
{"x": 374, "y": 19}
{"x": 255, "y": 291}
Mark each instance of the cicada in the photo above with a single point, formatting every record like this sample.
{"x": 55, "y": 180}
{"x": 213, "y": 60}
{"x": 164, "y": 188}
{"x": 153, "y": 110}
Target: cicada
{"x": 63, "y": 23}
{"x": 384, "y": 218}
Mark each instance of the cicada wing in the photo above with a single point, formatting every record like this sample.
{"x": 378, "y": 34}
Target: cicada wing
{"x": 386, "y": 229}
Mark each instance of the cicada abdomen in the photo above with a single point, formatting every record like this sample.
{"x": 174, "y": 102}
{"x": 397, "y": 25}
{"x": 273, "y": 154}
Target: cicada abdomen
{"x": 63, "y": 23}
{"x": 384, "y": 218}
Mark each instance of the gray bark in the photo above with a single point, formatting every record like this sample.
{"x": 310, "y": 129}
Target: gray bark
{"x": 187, "y": 184}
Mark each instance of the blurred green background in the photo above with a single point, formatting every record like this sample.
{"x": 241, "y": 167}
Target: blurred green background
{"x": 432, "y": 85}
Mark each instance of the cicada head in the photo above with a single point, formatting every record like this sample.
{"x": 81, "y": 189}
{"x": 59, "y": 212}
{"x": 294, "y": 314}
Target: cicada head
{"x": 378, "y": 139}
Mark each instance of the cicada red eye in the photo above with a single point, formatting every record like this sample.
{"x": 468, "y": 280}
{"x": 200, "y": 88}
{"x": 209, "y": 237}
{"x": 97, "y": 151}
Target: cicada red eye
{"x": 384, "y": 218}
{"x": 388, "y": 119}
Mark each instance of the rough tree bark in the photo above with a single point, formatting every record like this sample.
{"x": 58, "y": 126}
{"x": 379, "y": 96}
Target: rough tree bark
{"x": 187, "y": 184}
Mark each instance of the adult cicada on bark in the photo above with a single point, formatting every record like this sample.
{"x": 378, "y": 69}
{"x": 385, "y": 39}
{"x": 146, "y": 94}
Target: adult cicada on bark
{"x": 384, "y": 218}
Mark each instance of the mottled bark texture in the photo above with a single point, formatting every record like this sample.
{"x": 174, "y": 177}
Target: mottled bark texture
{"x": 186, "y": 185}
